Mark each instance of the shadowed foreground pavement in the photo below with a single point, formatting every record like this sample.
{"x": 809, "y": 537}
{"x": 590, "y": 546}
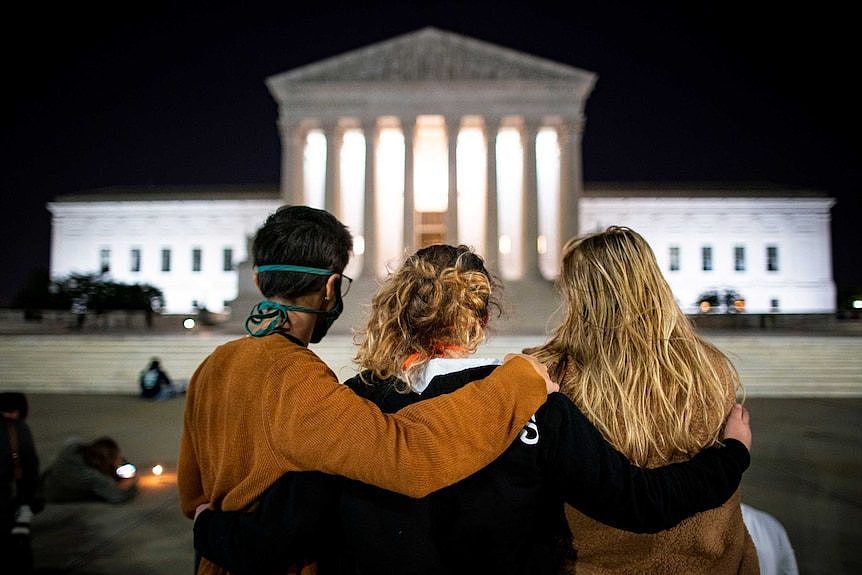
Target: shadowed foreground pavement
{"x": 806, "y": 471}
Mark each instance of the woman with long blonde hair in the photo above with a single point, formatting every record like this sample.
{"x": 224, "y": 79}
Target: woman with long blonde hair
{"x": 630, "y": 359}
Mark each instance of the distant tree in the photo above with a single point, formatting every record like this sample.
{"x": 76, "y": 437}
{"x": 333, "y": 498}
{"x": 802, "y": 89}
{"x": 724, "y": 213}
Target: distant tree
{"x": 98, "y": 294}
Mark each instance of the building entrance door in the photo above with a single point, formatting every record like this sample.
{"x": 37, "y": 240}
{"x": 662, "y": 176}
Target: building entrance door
{"x": 430, "y": 229}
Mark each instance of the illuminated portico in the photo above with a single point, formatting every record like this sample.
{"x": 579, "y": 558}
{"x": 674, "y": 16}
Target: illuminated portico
{"x": 431, "y": 137}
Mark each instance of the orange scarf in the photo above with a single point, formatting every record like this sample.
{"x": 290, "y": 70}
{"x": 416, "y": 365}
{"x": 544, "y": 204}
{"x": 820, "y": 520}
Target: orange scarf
{"x": 437, "y": 350}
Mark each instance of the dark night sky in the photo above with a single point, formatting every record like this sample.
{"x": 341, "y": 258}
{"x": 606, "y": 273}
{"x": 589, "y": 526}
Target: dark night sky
{"x": 148, "y": 93}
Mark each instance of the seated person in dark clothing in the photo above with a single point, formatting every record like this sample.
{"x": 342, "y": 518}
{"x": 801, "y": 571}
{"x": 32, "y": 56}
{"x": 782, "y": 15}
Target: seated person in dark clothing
{"x": 426, "y": 320}
{"x": 155, "y": 383}
{"x": 93, "y": 471}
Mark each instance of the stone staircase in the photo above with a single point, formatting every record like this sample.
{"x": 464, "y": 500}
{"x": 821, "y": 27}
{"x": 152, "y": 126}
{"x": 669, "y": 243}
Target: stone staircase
{"x": 795, "y": 365}
{"x": 770, "y": 364}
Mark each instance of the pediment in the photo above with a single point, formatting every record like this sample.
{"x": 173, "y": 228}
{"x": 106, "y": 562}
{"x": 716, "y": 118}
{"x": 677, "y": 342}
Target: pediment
{"x": 432, "y": 55}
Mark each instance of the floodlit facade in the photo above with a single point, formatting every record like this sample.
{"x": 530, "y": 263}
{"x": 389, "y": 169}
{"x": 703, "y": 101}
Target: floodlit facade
{"x": 187, "y": 243}
{"x": 768, "y": 247}
{"x": 433, "y": 137}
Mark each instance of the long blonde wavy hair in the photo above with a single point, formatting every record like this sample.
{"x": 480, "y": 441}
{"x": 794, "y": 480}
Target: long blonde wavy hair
{"x": 439, "y": 300}
{"x": 628, "y": 356}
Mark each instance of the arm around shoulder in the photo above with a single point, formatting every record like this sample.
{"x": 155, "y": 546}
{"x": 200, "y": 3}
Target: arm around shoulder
{"x": 600, "y": 481}
{"x": 471, "y": 427}
{"x": 420, "y": 449}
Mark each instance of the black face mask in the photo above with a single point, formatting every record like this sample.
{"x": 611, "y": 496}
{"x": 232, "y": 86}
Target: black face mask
{"x": 326, "y": 318}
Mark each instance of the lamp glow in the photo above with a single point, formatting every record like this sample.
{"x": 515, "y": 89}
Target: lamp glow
{"x": 126, "y": 471}
{"x": 158, "y": 470}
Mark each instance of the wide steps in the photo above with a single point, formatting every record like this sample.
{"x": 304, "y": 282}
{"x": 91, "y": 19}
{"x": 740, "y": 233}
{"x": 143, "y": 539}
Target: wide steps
{"x": 769, "y": 365}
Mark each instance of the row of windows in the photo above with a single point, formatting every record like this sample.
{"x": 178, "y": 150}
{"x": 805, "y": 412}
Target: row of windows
{"x": 739, "y": 261}
{"x": 166, "y": 256}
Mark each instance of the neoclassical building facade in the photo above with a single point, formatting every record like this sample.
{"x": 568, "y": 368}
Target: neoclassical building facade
{"x": 432, "y": 137}
{"x": 454, "y": 139}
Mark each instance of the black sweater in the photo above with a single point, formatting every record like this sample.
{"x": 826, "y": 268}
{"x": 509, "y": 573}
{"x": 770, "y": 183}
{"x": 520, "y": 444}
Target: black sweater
{"x": 506, "y": 518}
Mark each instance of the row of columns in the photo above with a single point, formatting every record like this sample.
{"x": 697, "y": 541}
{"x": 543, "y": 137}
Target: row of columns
{"x": 293, "y": 135}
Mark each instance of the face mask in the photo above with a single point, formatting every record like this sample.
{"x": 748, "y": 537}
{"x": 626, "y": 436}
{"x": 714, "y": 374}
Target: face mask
{"x": 269, "y": 316}
{"x": 326, "y": 318}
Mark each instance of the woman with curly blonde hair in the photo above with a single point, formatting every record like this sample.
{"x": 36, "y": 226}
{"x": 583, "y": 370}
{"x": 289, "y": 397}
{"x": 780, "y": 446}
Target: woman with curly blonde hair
{"x": 631, "y": 360}
{"x": 426, "y": 320}
{"x": 437, "y": 304}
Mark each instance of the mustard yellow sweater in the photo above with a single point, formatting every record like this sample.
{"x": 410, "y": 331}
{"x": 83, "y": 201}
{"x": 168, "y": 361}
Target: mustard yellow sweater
{"x": 259, "y": 407}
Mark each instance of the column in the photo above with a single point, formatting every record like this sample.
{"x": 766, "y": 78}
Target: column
{"x": 408, "y": 129}
{"x": 332, "y": 199}
{"x": 453, "y": 127}
{"x": 492, "y": 234}
{"x": 369, "y": 216}
{"x": 571, "y": 178}
{"x": 530, "y": 199}
{"x": 292, "y": 178}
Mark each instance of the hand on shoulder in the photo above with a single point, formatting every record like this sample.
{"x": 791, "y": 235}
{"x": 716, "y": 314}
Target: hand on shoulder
{"x": 538, "y": 367}
{"x": 738, "y": 426}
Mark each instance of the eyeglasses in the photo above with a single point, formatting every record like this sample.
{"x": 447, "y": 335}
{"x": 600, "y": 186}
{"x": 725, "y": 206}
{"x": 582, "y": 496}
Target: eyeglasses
{"x": 346, "y": 282}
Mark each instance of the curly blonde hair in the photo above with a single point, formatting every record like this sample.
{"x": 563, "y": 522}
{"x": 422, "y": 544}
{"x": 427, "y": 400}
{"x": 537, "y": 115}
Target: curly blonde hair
{"x": 629, "y": 357}
{"x": 440, "y": 298}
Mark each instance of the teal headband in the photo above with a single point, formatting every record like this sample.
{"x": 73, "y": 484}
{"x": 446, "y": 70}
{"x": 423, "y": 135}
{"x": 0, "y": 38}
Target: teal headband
{"x": 290, "y": 268}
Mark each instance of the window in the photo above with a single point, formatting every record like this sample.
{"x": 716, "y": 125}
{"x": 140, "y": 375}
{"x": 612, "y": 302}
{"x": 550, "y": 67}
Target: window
{"x": 706, "y": 257}
{"x": 166, "y": 259}
{"x": 739, "y": 258}
{"x": 227, "y": 260}
{"x": 196, "y": 259}
{"x": 105, "y": 260}
{"x": 772, "y": 258}
{"x": 773, "y": 304}
{"x": 135, "y": 260}
{"x": 674, "y": 259}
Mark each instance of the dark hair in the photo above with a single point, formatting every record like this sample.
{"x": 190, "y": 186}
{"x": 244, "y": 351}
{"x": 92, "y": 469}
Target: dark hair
{"x": 301, "y": 236}
{"x": 102, "y": 455}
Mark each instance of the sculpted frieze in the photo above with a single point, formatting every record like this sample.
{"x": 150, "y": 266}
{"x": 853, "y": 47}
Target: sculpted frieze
{"x": 433, "y": 55}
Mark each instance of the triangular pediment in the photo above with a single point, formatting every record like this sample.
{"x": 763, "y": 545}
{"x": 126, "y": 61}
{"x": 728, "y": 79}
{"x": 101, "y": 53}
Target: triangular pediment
{"x": 433, "y": 55}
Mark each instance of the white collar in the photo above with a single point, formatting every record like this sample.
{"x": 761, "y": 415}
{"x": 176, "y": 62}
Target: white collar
{"x": 444, "y": 365}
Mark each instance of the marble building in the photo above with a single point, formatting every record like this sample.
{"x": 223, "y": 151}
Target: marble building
{"x": 432, "y": 136}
